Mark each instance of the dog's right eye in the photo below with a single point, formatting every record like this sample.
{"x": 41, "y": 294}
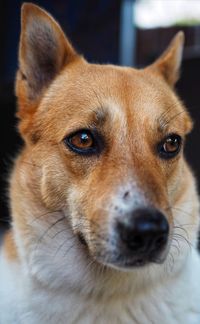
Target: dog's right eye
{"x": 82, "y": 142}
{"x": 170, "y": 146}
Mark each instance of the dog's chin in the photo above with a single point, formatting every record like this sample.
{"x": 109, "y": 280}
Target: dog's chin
{"x": 121, "y": 262}
{"x": 128, "y": 264}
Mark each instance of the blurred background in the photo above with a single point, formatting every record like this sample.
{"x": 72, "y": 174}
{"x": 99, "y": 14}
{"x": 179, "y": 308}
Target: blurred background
{"x": 124, "y": 32}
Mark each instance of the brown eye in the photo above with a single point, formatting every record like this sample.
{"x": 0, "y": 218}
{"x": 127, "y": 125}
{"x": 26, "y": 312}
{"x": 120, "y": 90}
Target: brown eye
{"x": 170, "y": 146}
{"x": 84, "y": 142}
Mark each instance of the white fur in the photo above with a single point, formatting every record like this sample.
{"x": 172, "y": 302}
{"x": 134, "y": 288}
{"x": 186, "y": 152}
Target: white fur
{"x": 52, "y": 286}
{"x": 175, "y": 300}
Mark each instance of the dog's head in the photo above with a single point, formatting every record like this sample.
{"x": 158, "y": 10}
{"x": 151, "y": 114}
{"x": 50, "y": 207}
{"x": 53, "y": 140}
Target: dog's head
{"x": 108, "y": 145}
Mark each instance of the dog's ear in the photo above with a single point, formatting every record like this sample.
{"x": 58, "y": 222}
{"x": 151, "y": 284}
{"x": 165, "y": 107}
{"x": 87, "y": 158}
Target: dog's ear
{"x": 169, "y": 63}
{"x": 43, "y": 51}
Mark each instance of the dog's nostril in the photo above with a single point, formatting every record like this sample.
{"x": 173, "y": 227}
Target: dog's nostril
{"x": 133, "y": 241}
{"x": 126, "y": 195}
{"x": 160, "y": 241}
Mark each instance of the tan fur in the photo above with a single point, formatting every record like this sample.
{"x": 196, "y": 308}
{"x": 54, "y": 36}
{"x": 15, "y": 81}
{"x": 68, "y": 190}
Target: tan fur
{"x": 53, "y": 189}
{"x": 138, "y": 95}
{"x": 137, "y": 100}
{"x": 10, "y": 247}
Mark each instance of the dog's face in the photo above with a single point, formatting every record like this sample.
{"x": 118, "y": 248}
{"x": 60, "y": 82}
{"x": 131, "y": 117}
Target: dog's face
{"x": 108, "y": 142}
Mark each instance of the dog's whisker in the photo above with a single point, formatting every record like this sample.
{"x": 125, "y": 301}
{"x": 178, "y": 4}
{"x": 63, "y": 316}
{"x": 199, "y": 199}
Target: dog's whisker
{"x": 181, "y": 229}
{"x": 181, "y": 211}
{"x": 61, "y": 245}
{"x": 41, "y": 238}
{"x": 176, "y": 247}
{"x": 173, "y": 118}
{"x": 183, "y": 238}
{"x": 162, "y": 118}
{"x": 31, "y": 163}
{"x": 36, "y": 218}
{"x": 177, "y": 242}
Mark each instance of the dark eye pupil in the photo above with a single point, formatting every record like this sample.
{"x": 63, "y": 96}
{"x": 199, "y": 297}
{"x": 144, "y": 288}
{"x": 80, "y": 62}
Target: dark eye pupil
{"x": 82, "y": 142}
{"x": 170, "y": 146}
{"x": 85, "y": 142}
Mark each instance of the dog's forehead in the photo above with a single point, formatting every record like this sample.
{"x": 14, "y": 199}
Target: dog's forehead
{"x": 95, "y": 93}
{"x": 125, "y": 85}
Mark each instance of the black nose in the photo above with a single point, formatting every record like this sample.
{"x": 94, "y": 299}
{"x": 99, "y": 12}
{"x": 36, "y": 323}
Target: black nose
{"x": 144, "y": 232}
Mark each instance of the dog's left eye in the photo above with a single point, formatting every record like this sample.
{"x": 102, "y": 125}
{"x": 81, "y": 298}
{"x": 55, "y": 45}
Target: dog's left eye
{"x": 170, "y": 146}
{"x": 82, "y": 142}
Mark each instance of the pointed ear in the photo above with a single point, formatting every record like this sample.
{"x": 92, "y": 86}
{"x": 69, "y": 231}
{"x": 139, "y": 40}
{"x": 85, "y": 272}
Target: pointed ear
{"x": 169, "y": 63}
{"x": 43, "y": 52}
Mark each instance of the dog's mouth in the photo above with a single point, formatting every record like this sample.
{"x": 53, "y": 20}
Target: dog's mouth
{"x": 127, "y": 262}
{"x": 136, "y": 262}
{"x": 82, "y": 240}
{"x": 121, "y": 260}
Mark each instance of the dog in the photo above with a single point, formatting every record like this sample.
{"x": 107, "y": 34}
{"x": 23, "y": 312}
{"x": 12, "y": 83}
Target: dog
{"x": 105, "y": 211}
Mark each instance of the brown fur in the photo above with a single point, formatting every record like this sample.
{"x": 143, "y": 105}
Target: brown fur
{"x": 65, "y": 260}
{"x": 132, "y": 109}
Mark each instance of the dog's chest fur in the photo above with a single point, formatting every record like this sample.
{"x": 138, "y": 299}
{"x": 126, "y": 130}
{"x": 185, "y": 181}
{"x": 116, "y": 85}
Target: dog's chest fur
{"x": 29, "y": 302}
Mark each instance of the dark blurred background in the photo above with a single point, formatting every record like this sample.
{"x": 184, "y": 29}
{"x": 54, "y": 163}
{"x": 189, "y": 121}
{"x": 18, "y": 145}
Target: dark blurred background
{"x": 105, "y": 31}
